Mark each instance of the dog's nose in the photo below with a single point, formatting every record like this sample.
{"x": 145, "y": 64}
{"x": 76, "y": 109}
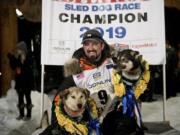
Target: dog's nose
{"x": 122, "y": 66}
{"x": 79, "y": 106}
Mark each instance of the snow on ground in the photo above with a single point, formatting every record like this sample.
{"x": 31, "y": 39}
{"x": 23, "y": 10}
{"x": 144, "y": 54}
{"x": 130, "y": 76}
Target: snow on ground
{"x": 151, "y": 112}
{"x": 8, "y": 113}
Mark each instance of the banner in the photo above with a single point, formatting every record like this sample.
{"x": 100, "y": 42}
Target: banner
{"x": 136, "y": 23}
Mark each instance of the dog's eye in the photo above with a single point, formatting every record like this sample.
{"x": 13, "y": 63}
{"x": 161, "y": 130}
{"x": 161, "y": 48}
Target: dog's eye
{"x": 124, "y": 60}
{"x": 73, "y": 97}
{"x": 81, "y": 96}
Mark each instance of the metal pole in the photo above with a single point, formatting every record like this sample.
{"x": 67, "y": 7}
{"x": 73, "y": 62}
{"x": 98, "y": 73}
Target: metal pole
{"x": 42, "y": 91}
{"x": 164, "y": 91}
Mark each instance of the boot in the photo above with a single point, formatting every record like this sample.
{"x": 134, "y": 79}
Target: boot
{"x": 21, "y": 111}
{"x": 28, "y": 116}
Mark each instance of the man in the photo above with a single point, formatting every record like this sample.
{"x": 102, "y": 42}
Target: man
{"x": 95, "y": 60}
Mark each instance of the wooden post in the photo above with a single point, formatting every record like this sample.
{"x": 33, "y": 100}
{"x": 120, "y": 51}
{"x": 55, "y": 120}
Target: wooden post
{"x": 8, "y": 40}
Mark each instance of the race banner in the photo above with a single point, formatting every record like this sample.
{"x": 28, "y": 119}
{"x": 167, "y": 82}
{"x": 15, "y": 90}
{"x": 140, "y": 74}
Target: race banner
{"x": 139, "y": 24}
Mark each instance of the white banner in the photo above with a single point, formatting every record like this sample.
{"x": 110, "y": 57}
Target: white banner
{"x": 137, "y": 23}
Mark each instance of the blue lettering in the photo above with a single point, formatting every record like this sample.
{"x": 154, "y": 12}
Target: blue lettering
{"x": 127, "y": 6}
{"x": 101, "y": 8}
{"x": 94, "y": 8}
{"x": 68, "y": 7}
{"x": 98, "y": 83}
{"x": 76, "y": 7}
{"x": 111, "y": 32}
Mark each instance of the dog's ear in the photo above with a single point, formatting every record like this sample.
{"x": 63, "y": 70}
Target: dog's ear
{"x": 137, "y": 55}
{"x": 64, "y": 93}
{"x": 134, "y": 53}
{"x": 114, "y": 54}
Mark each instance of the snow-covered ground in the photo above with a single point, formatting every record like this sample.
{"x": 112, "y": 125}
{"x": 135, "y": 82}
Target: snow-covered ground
{"x": 152, "y": 112}
{"x": 8, "y": 113}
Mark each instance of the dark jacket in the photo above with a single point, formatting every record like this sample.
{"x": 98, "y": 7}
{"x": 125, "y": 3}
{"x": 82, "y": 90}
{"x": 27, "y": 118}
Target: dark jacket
{"x": 23, "y": 72}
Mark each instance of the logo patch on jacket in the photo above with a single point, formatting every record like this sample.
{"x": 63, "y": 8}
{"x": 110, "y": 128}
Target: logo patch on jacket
{"x": 80, "y": 76}
{"x": 97, "y": 76}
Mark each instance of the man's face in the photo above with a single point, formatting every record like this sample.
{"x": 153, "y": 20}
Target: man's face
{"x": 93, "y": 48}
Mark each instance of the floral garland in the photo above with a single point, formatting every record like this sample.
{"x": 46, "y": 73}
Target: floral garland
{"x": 140, "y": 87}
{"x": 72, "y": 126}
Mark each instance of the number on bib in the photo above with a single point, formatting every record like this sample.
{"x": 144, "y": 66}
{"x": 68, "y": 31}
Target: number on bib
{"x": 103, "y": 96}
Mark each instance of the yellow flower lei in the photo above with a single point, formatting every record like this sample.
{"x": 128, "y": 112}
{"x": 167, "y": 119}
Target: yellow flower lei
{"x": 119, "y": 88}
{"x": 72, "y": 126}
{"x": 141, "y": 86}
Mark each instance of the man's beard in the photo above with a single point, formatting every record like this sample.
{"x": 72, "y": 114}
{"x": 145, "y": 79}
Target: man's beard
{"x": 94, "y": 60}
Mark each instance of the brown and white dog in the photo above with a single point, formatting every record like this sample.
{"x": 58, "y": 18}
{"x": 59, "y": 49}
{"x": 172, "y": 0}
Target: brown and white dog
{"x": 78, "y": 106}
{"x": 74, "y": 100}
{"x": 72, "y": 108}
